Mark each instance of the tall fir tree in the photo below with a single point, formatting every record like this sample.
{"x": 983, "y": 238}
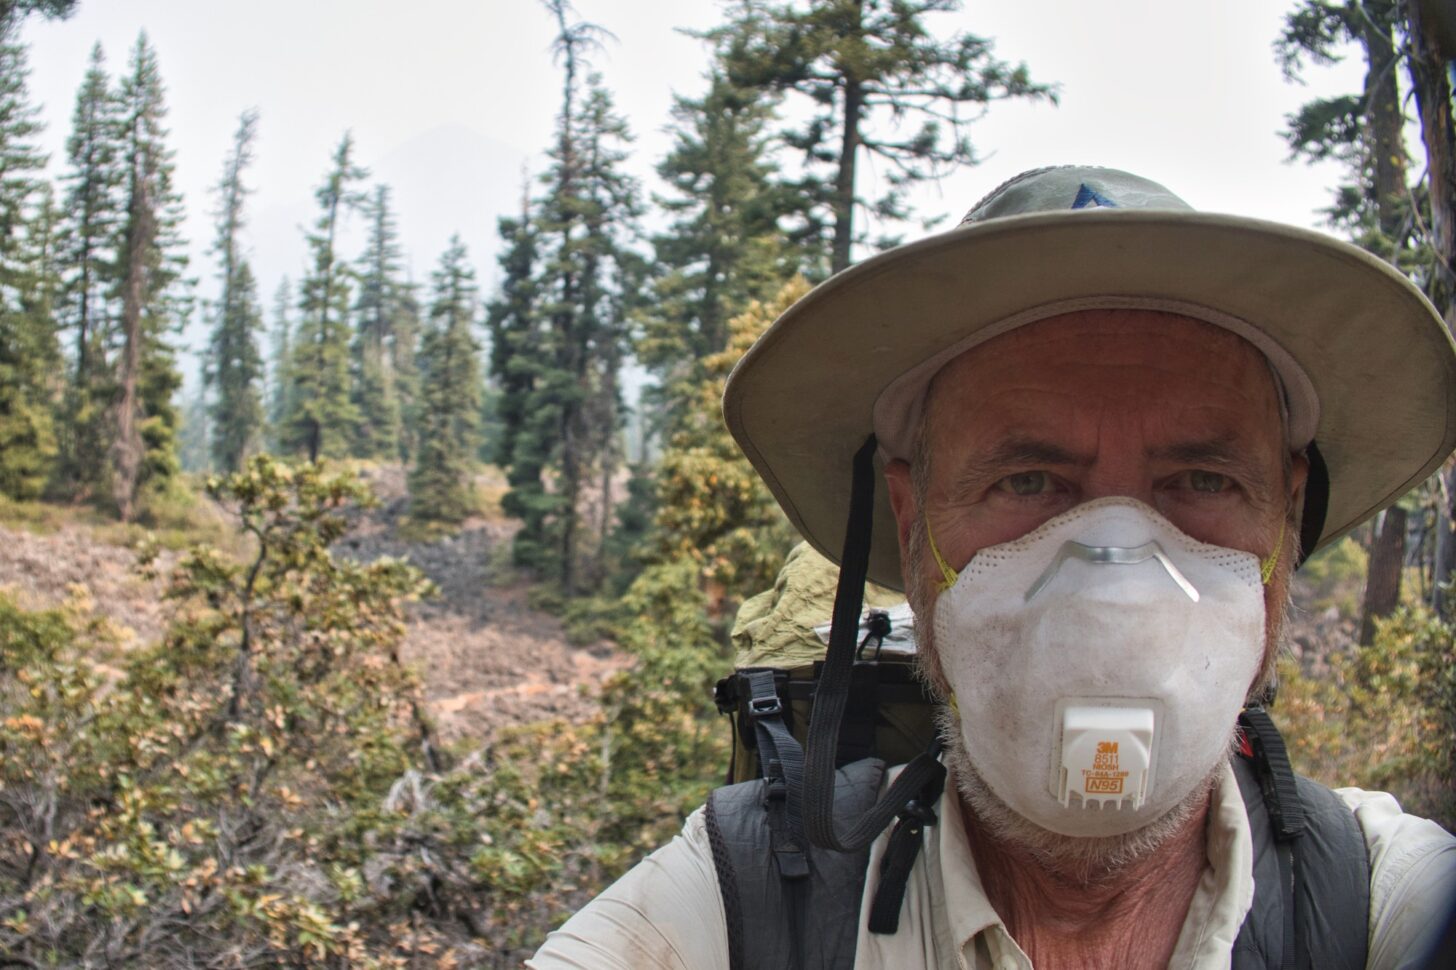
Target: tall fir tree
{"x": 1375, "y": 203}
{"x": 196, "y": 435}
{"x": 322, "y": 415}
{"x": 724, "y": 246}
{"x": 514, "y": 323}
{"x": 92, "y": 210}
{"x": 874, "y": 82}
{"x": 1361, "y": 129}
{"x": 588, "y": 278}
{"x": 280, "y": 384}
{"x": 439, "y": 481}
{"x": 234, "y": 369}
{"x": 29, "y": 353}
{"x": 150, "y": 264}
{"x": 375, "y": 311}
{"x": 402, "y": 350}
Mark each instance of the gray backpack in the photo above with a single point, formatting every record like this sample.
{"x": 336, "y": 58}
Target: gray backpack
{"x": 1311, "y": 874}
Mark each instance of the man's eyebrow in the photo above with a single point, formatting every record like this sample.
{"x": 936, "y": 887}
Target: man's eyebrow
{"x": 1218, "y": 453}
{"x": 1015, "y": 453}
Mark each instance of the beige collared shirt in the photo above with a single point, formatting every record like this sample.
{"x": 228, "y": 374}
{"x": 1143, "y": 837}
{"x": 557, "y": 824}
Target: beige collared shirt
{"x": 667, "y": 912}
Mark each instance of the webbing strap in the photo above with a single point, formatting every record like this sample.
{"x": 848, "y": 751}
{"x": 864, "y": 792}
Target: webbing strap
{"x": 833, "y": 692}
{"x": 1286, "y": 820}
{"x": 901, "y": 853}
{"x": 782, "y": 762}
{"x": 1276, "y": 775}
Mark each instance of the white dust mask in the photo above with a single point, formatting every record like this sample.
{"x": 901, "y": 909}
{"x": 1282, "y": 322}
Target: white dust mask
{"x": 1099, "y": 664}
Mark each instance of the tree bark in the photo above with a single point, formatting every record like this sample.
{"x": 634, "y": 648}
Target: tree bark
{"x": 1382, "y": 585}
{"x": 1385, "y": 145}
{"x": 844, "y": 181}
{"x": 1383, "y": 119}
{"x": 848, "y": 157}
{"x": 1431, "y": 85}
{"x": 128, "y": 448}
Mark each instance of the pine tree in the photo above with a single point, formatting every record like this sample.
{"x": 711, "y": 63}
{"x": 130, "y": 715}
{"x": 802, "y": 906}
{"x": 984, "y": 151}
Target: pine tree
{"x": 28, "y": 349}
{"x": 855, "y": 64}
{"x": 322, "y": 415}
{"x": 144, "y": 447}
{"x": 724, "y": 247}
{"x": 91, "y": 216}
{"x": 514, "y": 322}
{"x": 585, "y": 290}
{"x": 13, "y": 11}
{"x": 376, "y": 310}
{"x": 196, "y": 435}
{"x": 1374, "y": 204}
{"x": 1360, "y": 129}
{"x": 280, "y": 383}
{"x": 439, "y": 482}
{"x": 235, "y": 368}
{"x": 402, "y": 351}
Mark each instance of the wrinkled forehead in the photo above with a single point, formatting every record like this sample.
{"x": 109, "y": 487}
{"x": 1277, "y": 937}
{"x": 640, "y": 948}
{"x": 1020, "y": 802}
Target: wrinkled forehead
{"x": 1129, "y": 336}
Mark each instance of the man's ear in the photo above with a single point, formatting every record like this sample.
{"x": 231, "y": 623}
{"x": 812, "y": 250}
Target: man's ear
{"x": 902, "y": 501}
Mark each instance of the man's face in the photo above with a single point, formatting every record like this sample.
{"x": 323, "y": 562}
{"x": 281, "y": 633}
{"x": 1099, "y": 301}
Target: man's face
{"x": 1164, "y": 409}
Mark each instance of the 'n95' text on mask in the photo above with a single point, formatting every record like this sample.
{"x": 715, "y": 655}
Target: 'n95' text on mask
{"x": 1099, "y": 664}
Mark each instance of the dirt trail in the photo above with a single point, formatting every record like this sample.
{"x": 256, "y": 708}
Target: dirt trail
{"x": 487, "y": 659}
{"x": 43, "y": 571}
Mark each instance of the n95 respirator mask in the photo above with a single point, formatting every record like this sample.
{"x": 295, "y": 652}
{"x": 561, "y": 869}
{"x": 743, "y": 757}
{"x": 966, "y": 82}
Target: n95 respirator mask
{"x": 1099, "y": 663}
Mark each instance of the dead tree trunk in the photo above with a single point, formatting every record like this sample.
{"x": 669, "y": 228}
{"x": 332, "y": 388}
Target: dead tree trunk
{"x": 1430, "y": 52}
{"x": 128, "y": 448}
{"x": 1382, "y": 585}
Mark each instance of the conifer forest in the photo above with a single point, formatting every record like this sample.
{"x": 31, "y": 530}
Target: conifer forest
{"x": 232, "y": 503}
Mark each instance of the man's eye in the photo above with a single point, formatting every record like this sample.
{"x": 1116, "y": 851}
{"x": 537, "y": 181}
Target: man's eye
{"x": 1203, "y": 481}
{"x": 1026, "y": 483}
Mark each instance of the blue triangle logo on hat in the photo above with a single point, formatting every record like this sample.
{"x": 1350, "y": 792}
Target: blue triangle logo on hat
{"x": 1088, "y": 196}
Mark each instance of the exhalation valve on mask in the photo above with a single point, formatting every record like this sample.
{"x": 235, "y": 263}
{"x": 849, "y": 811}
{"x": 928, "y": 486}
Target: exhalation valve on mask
{"x": 1106, "y": 751}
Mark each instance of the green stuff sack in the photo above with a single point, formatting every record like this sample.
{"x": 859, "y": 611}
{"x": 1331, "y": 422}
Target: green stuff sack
{"x": 785, "y": 631}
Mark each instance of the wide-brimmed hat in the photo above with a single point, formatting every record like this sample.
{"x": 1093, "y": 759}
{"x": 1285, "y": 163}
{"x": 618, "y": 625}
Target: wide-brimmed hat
{"x": 1367, "y": 367}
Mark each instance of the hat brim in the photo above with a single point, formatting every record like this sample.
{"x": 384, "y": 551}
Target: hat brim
{"x": 1383, "y": 365}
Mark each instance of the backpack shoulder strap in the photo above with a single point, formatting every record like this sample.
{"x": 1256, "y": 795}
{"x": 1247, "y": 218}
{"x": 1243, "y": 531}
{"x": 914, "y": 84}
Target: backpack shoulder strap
{"x": 1311, "y": 878}
{"x": 771, "y": 917}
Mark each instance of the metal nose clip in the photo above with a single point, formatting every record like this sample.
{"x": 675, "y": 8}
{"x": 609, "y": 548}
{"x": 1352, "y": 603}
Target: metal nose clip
{"x": 1115, "y": 556}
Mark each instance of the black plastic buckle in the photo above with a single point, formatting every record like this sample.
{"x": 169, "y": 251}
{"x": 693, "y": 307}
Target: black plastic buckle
{"x": 765, "y": 706}
{"x": 918, "y": 816}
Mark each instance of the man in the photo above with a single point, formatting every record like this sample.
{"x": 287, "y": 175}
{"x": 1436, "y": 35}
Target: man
{"x": 1108, "y": 426}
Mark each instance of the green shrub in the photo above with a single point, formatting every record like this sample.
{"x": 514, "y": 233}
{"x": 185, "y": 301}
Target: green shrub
{"x": 1384, "y": 717}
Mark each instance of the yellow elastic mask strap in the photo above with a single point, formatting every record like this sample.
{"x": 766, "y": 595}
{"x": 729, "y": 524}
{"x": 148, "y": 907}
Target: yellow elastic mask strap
{"x": 948, "y": 576}
{"x": 1266, "y": 566}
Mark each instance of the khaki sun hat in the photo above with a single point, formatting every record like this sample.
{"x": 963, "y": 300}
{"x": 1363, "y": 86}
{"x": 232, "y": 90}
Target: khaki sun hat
{"x": 1367, "y": 367}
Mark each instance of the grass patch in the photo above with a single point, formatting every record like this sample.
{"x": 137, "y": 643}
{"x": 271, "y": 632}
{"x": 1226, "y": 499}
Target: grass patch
{"x": 424, "y": 530}
{"x": 40, "y": 518}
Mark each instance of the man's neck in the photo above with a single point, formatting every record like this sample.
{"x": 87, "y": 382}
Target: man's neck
{"x": 1127, "y": 917}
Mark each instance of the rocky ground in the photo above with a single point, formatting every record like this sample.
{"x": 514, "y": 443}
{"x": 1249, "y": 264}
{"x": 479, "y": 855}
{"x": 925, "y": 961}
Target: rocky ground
{"x": 487, "y": 659}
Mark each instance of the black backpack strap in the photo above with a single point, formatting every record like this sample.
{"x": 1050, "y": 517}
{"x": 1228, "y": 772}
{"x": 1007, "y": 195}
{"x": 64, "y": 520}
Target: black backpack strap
{"x": 781, "y": 759}
{"x": 900, "y": 855}
{"x": 775, "y": 923}
{"x": 1311, "y": 871}
{"x": 1286, "y": 819}
{"x": 852, "y": 832}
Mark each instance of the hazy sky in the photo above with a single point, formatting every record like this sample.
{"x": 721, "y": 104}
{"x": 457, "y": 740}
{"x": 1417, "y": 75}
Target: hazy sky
{"x": 450, "y": 101}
